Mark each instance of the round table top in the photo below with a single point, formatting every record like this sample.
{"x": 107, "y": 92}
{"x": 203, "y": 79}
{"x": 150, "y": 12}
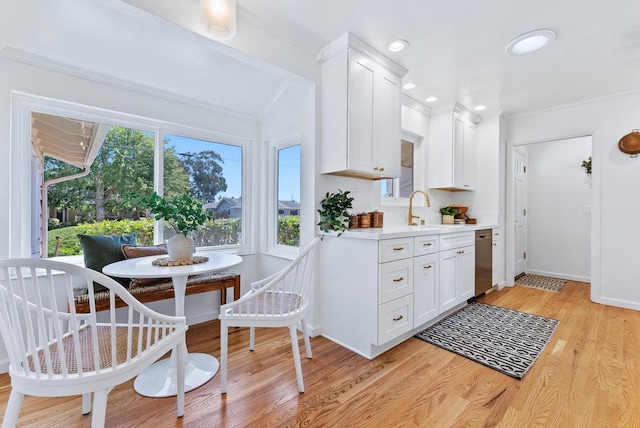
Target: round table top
{"x": 142, "y": 268}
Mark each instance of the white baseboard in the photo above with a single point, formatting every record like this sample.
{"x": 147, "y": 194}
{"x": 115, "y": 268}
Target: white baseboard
{"x": 617, "y": 303}
{"x": 560, "y": 275}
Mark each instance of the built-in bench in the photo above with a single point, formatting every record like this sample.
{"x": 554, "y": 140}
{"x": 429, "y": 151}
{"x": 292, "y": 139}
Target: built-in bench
{"x": 164, "y": 290}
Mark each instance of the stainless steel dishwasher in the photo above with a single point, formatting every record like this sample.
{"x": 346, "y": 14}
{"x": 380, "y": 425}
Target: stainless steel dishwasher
{"x": 484, "y": 261}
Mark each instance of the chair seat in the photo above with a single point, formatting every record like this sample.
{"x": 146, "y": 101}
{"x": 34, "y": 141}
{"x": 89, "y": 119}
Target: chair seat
{"x": 85, "y": 338}
{"x": 269, "y": 303}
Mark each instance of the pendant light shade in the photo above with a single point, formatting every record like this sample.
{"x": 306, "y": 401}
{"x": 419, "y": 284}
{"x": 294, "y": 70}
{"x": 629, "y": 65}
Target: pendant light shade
{"x": 219, "y": 18}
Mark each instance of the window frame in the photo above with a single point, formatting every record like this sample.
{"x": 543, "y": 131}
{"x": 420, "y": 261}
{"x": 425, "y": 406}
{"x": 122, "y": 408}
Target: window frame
{"x": 416, "y": 140}
{"x": 25, "y": 104}
{"x": 214, "y": 137}
{"x": 275, "y": 144}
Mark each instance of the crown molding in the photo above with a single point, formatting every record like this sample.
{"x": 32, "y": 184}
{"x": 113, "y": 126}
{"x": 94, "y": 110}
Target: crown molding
{"x": 415, "y": 104}
{"x": 457, "y": 108}
{"x": 349, "y": 40}
{"x": 24, "y": 57}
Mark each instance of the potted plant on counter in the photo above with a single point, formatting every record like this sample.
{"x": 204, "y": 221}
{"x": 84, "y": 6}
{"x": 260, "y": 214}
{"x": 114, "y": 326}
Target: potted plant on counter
{"x": 333, "y": 212}
{"x": 448, "y": 213}
{"x": 184, "y": 214}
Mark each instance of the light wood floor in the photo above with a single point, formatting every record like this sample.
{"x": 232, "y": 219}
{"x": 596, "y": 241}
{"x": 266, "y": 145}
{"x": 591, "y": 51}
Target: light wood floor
{"x": 588, "y": 376}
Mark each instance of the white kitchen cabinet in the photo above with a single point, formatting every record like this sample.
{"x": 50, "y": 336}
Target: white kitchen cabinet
{"x": 360, "y": 104}
{"x": 452, "y": 149}
{"x": 498, "y": 258}
{"x": 376, "y": 293}
{"x": 457, "y": 269}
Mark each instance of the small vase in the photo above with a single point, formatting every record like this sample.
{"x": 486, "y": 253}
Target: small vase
{"x": 180, "y": 247}
{"x": 447, "y": 219}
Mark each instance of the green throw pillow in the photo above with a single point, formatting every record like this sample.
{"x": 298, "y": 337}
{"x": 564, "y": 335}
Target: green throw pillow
{"x": 100, "y": 250}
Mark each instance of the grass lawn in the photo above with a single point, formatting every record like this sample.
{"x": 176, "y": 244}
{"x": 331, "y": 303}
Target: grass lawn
{"x": 70, "y": 244}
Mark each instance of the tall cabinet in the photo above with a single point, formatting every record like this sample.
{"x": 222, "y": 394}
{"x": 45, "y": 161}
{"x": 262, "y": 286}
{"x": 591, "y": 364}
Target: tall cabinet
{"x": 360, "y": 105}
{"x": 452, "y": 149}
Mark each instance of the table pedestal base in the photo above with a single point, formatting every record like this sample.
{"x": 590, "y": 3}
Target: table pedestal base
{"x": 159, "y": 379}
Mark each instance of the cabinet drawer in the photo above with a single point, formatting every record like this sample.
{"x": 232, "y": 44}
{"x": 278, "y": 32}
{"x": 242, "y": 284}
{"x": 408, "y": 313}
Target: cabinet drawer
{"x": 425, "y": 245}
{"x": 395, "y": 280}
{"x": 457, "y": 240}
{"x": 395, "y": 249}
{"x": 395, "y": 318}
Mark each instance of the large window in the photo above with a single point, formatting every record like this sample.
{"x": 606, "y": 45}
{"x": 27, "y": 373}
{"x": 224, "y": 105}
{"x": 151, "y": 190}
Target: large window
{"x": 214, "y": 176}
{"x": 93, "y": 171}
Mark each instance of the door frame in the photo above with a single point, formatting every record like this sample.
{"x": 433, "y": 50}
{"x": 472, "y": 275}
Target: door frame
{"x": 524, "y": 156}
{"x": 596, "y": 153}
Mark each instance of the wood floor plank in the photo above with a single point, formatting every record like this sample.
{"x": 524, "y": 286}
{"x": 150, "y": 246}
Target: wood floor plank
{"x": 587, "y": 376}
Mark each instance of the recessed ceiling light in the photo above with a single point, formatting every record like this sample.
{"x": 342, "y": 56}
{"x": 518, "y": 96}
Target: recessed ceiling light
{"x": 397, "y": 45}
{"x": 409, "y": 85}
{"x": 431, "y": 99}
{"x": 530, "y": 42}
{"x": 480, "y": 107}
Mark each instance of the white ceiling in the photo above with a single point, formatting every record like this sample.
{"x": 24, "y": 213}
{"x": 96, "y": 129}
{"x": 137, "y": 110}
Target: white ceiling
{"x": 456, "y": 48}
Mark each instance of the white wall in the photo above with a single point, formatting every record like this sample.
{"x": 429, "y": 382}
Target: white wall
{"x": 558, "y": 196}
{"x": 615, "y": 242}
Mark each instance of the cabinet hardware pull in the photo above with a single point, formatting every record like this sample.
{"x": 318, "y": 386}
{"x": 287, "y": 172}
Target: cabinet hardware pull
{"x": 375, "y": 168}
{"x": 495, "y": 244}
{"x": 427, "y": 267}
{"x": 398, "y": 249}
{"x": 497, "y": 234}
{"x": 398, "y": 279}
{"x": 381, "y": 168}
{"x": 398, "y": 318}
{"x": 427, "y": 245}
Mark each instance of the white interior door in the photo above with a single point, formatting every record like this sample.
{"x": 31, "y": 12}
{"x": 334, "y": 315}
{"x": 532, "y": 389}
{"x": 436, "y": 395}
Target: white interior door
{"x": 520, "y": 212}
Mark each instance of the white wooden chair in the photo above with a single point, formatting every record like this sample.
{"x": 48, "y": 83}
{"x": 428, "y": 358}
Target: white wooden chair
{"x": 280, "y": 300}
{"x": 55, "y": 351}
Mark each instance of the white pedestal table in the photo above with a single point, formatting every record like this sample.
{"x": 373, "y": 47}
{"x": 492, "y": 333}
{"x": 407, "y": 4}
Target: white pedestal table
{"x": 159, "y": 379}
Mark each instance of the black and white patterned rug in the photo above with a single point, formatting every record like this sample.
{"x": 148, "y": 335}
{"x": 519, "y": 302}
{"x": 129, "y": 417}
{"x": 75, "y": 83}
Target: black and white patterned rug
{"x": 502, "y": 339}
{"x": 541, "y": 282}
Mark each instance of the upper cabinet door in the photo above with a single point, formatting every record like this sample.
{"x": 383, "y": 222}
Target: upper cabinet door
{"x": 362, "y": 149}
{"x": 452, "y": 150}
{"x": 388, "y": 122}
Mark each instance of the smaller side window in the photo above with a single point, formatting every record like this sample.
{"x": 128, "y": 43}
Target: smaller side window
{"x": 283, "y": 223}
{"x": 396, "y": 188}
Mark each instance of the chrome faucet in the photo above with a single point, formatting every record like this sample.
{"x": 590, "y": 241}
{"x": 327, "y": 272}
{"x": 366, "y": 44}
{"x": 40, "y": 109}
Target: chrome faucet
{"x": 411, "y": 216}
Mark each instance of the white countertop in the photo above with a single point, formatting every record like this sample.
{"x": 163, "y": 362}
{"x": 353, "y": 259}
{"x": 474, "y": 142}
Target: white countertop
{"x": 378, "y": 233}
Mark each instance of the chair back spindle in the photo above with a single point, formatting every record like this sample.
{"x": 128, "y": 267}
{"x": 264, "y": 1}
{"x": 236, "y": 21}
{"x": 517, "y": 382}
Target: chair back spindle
{"x": 48, "y": 340}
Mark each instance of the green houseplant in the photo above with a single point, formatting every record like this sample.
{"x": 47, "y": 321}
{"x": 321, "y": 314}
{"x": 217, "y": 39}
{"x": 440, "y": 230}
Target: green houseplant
{"x": 448, "y": 213}
{"x": 333, "y": 212}
{"x": 184, "y": 214}
{"x": 586, "y": 164}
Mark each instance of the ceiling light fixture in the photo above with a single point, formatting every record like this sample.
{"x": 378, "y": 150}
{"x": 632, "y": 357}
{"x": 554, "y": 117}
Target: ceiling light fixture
{"x": 431, "y": 99}
{"x": 218, "y": 18}
{"x": 480, "y": 107}
{"x": 530, "y": 42}
{"x": 409, "y": 85}
{"x": 397, "y": 45}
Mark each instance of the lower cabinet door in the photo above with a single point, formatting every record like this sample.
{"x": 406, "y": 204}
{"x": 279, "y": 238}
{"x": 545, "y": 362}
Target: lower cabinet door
{"x": 448, "y": 276}
{"x": 466, "y": 273}
{"x": 395, "y": 318}
{"x": 425, "y": 289}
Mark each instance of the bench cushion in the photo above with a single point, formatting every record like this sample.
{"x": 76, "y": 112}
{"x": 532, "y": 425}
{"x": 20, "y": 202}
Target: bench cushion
{"x": 164, "y": 290}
